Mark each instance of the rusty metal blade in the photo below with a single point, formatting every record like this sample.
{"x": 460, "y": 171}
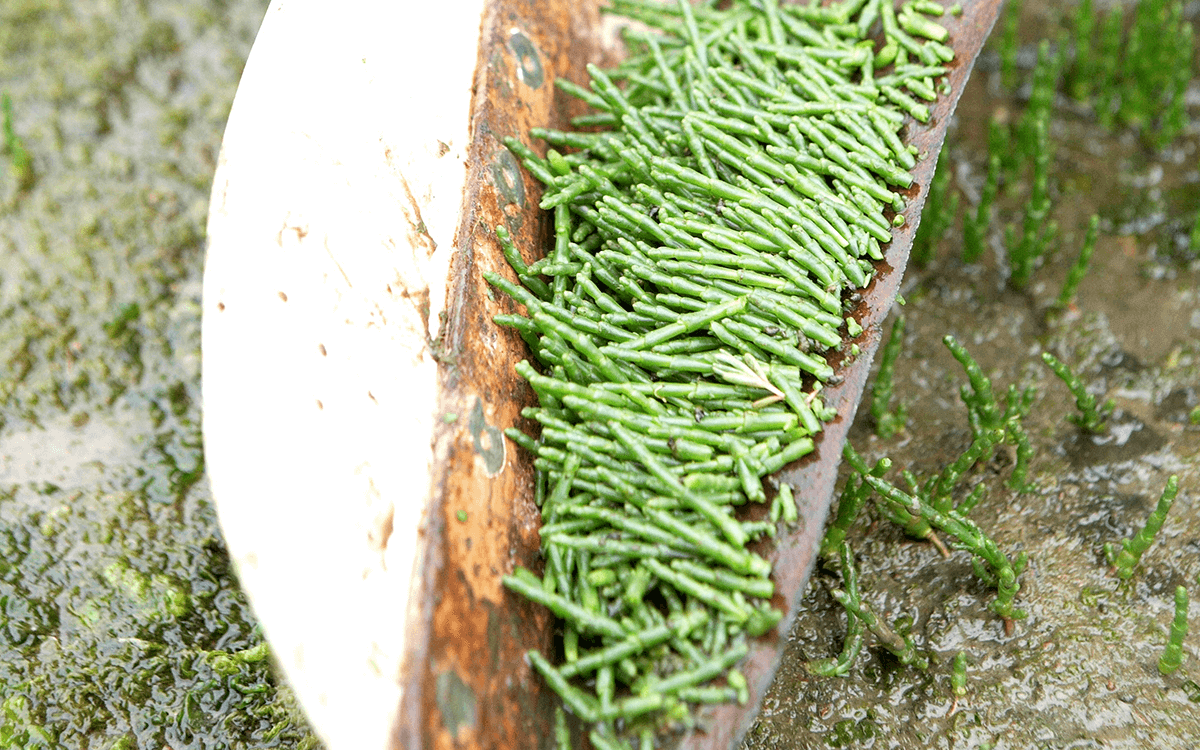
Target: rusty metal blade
{"x": 467, "y": 682}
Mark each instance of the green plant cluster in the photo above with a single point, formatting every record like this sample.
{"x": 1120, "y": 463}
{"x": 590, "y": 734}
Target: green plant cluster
{"x": 703, "y": 239}
{"x": 917, "y": 515}
{"x": 929, "y": 507}
{"x": 1020, "y": 159}
{"x": 1025, "y": 146}
{"x": 1133, "y": 74}
{"x": 1136, "y": 78}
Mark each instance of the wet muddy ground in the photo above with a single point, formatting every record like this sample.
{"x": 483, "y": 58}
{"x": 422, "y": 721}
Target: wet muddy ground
{"x": 1081, "y": 670}
{"x": 121, "y": 625}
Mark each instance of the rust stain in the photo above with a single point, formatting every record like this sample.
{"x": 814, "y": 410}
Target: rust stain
{"x": 418, "y": 235}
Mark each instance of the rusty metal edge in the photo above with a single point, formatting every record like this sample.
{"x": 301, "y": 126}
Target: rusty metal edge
{"x": 512, "y": 707}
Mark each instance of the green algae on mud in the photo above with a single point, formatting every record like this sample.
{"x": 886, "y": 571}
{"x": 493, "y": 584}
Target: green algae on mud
{"x": 1081, "y": 671}
{"x": 121, "y": 622}
{"x": 120, "y": 106}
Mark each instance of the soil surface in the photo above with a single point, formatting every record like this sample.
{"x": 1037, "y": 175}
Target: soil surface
{"x": 121, "y": 623}
{"x": 1081, "y": 670}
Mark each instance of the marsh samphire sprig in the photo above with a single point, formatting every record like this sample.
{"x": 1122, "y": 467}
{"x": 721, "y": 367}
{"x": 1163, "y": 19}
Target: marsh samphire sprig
{"x": 1000, "y": 571}
{"x": 1137, "y": 77}
{"x": 856, "y": 627}
{"x": 1125, "y": 558}
{"x": 1172, "y": 656}
{"x": 1080, "y": 268}
{"x": 941, "y": 206}
{"x": 1090, "y": 417}
{"x": 900, "y": 646}
{"x": 888, "y": 422}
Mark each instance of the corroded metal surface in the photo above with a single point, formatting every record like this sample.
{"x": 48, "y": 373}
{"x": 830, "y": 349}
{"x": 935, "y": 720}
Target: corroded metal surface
{"x": 469, "y": 685}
